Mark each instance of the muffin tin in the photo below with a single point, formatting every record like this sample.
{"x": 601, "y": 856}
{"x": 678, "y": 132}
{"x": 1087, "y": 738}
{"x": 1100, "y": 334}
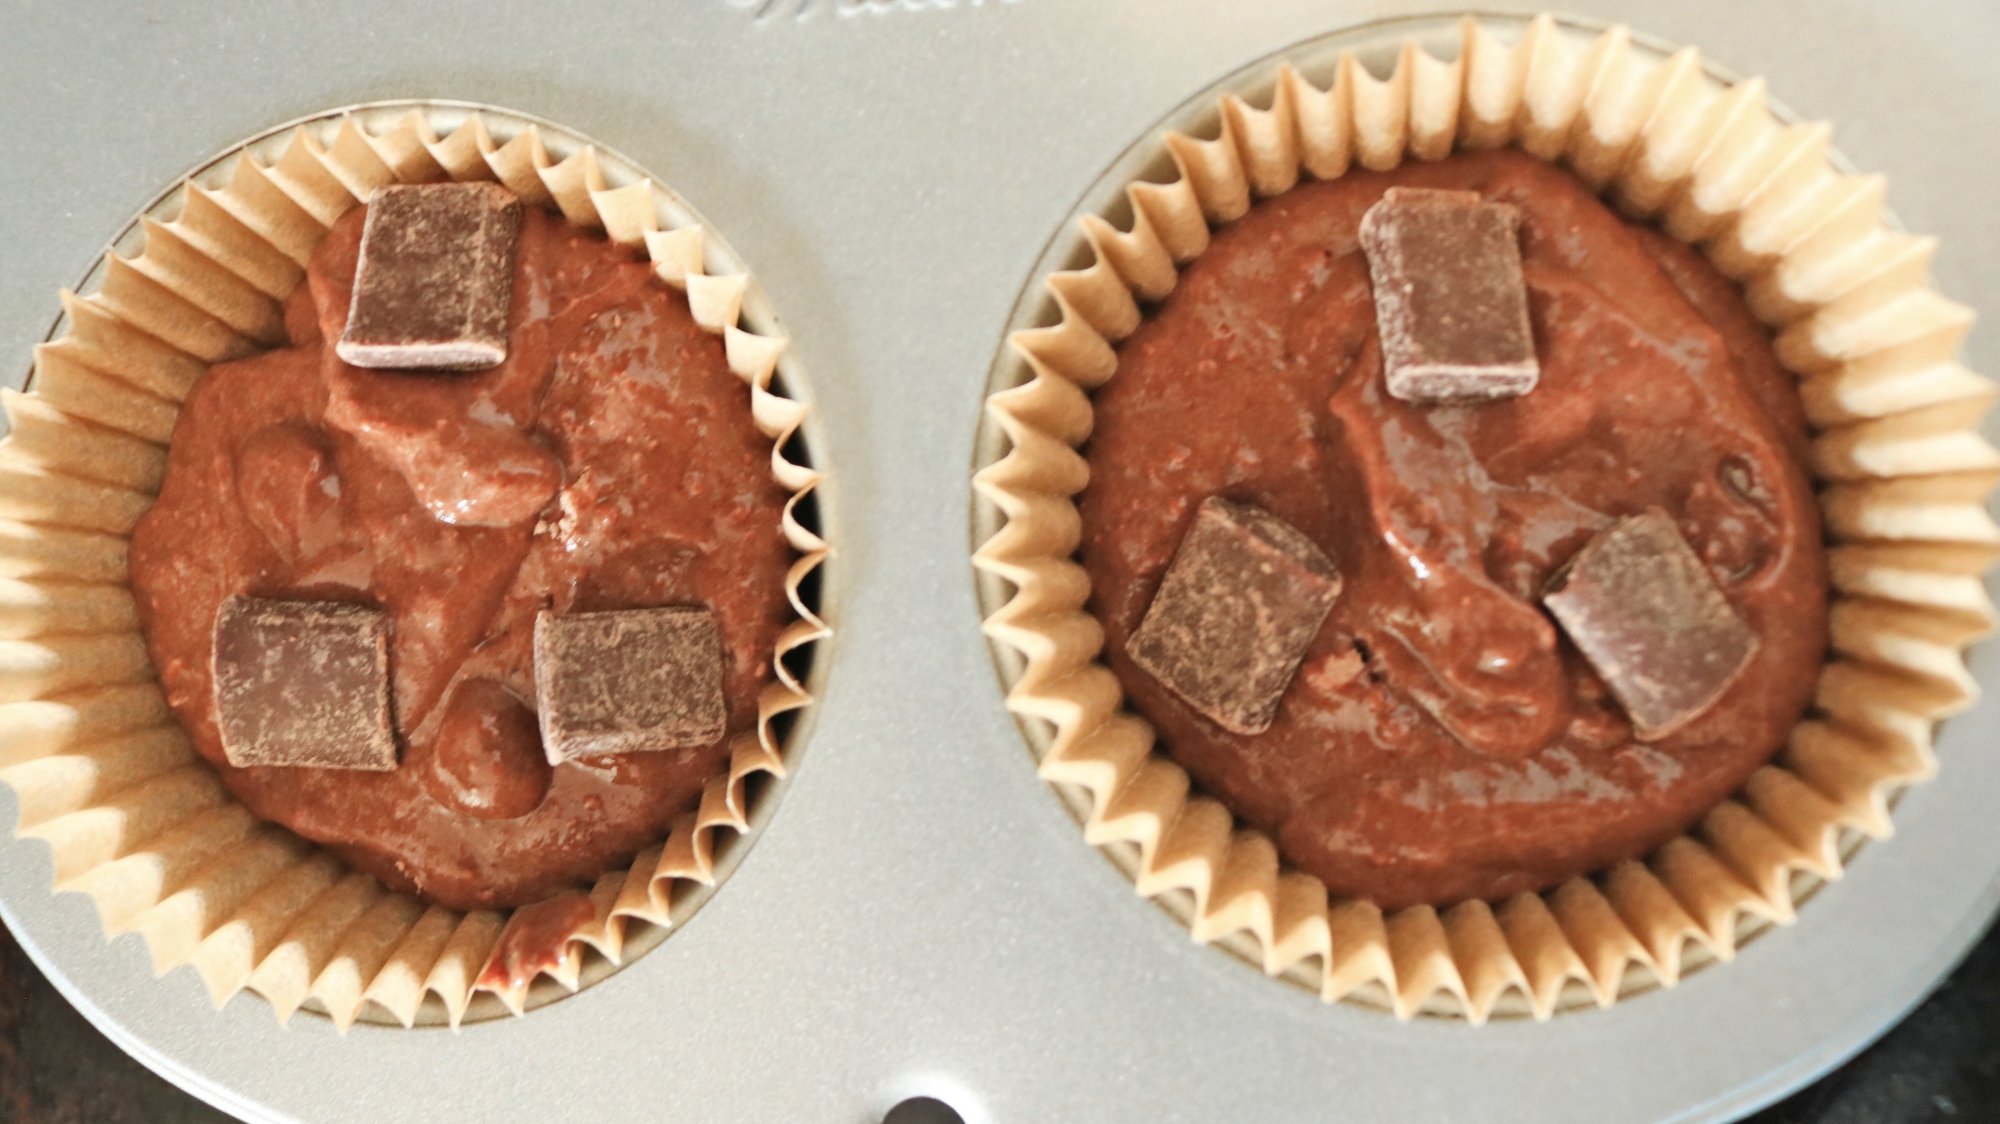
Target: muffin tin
{"x": 920, "y": 916}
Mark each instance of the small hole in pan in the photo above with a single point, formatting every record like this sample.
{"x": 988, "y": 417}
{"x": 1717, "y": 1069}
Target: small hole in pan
{"x": 923, "y": 1110}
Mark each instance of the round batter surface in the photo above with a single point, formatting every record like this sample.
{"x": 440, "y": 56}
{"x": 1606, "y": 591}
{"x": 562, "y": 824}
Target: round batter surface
{"x": 610, "y": 462}
{"x": 1442, "y": 740}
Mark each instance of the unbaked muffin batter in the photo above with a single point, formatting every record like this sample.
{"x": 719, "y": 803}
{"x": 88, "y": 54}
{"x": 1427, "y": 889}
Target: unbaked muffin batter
{"x": 610, "y": 462}
{"x": 1442, "y": 740}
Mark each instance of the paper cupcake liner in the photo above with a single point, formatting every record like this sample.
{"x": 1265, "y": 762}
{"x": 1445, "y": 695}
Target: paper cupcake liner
{"x": 105, "y": 776}
{"x": 1905, "y": 476}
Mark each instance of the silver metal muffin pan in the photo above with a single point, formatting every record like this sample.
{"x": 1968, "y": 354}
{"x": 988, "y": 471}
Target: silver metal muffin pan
{"x": 920, "y": 915}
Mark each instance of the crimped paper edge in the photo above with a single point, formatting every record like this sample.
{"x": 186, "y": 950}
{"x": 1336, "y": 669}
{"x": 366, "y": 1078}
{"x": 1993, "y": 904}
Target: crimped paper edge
{"x": 1896, "y": 444}
{"x": 130, "y": 812}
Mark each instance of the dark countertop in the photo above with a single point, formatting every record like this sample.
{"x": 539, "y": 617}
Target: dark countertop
{"x": 1942, "y": 1064}
{"x": 56, "y": 1069}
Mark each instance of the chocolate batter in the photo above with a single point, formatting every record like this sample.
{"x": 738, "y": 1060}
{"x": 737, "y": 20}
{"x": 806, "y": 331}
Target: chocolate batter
{"x": 610, "y": 462}
{"x": 1443, "y": 741}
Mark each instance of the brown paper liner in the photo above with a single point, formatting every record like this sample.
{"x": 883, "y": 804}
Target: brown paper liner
{"x": 1896, "y": 446}
{"x": 104, "y": 775}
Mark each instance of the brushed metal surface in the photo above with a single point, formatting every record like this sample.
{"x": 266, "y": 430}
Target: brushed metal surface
{"x": 920, "y": 915}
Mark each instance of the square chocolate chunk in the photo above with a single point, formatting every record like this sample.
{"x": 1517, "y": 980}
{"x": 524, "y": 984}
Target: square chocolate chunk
{"x": 628, "y": 681}
{"x": 303, "y": 683}
{"x": 1244, "y": 596}
{"x": 436, "y": 278}
{"x": 1644, "y": 611}
{"x": 1450, "y": 303}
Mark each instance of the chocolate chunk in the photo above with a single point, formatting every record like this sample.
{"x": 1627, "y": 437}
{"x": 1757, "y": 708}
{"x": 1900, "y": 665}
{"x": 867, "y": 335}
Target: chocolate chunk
{"x": 303, "y": 683}
{"x": 1450, "y": 303}
{"x": 435, "y": 279}
{"x": 628, "y": 681}
{"x": 1244, "y": 596}
{"x": 1645, "y": 612}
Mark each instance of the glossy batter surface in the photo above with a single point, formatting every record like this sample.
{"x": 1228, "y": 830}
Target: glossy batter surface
{"x": 1442, "y": 740}
{"x": 610, "y": 462}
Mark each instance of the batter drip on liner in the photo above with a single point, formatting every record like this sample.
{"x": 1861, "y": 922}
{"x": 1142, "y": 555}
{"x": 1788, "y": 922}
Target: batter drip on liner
{"x": 1442, "y": 741}
{"x": 610, "y": 462}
